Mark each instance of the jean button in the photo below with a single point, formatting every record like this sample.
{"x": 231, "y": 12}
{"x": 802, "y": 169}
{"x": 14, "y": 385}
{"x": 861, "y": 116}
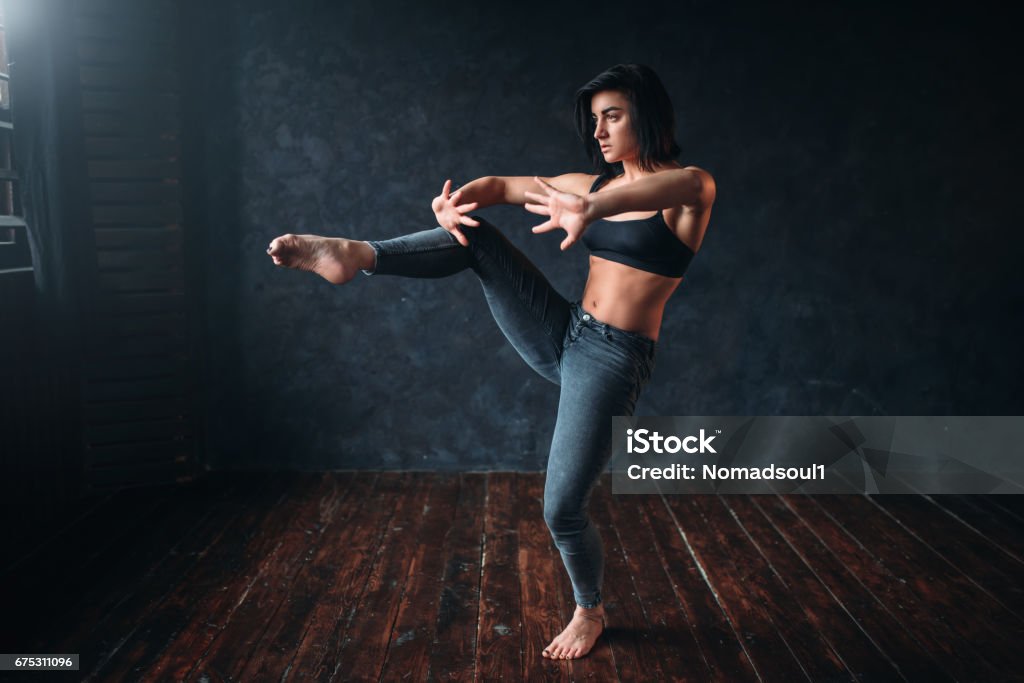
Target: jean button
{"x": 586, "y": 316}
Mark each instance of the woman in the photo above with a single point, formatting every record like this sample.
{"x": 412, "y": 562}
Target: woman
{"x": 600, "y": 349}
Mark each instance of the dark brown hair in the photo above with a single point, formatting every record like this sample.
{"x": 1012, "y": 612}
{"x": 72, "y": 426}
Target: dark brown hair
{"x": 650, "y": 115}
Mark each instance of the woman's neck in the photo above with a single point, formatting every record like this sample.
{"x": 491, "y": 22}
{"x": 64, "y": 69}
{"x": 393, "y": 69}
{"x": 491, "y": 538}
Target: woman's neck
{"x": 631, "y": 169}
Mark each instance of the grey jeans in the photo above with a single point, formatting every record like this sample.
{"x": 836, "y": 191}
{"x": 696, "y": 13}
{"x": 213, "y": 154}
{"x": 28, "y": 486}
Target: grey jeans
{"x": 600, "y": 369}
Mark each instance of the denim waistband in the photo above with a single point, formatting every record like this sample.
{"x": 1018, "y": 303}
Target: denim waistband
{"x": 581, "y": 317}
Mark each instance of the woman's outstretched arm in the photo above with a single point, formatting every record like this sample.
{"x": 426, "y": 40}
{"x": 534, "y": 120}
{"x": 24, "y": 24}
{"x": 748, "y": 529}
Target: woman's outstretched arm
{"x": 452, "y": 208}
{"x": 491, "y": 190}
{"x": 573, "y": 212}
{"x": 690, "y": 186}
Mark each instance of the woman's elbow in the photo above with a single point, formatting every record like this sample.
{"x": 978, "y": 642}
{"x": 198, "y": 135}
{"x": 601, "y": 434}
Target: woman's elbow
{"x": 708, "y": 191}
{"x": 701, "y": 188}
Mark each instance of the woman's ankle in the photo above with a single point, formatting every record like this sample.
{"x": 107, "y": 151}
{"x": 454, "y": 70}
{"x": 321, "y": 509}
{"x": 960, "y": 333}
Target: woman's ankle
{"x": 596, "y": 610}
{"x": 365, "y": 254}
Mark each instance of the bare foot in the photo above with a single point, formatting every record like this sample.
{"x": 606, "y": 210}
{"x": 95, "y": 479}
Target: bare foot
{"x": 579, "y": 636}
{"x": 335, "y": 259}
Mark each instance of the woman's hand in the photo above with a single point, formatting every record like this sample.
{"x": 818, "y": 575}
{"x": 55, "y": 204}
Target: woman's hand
{"x": 565, "y": 210}
{"x": 450, "y": 215}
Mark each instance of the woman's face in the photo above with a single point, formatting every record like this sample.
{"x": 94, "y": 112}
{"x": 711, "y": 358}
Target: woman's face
{"x": 609, "y": 110}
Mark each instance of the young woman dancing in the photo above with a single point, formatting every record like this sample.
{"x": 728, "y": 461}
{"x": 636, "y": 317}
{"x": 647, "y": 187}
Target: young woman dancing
{"x": 643, "y": 217}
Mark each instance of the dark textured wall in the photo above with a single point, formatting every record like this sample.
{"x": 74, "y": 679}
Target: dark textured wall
{"x": 861, "y": 258}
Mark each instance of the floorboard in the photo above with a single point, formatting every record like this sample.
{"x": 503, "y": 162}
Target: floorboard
{"x": 365, "y": 575}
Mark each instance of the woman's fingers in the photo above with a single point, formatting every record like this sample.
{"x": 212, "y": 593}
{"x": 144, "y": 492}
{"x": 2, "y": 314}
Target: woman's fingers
{"x": 538, "y": 209}
{"x": 459, "y": 236}
{"x": 463, "y": 218}
{"x": 544, "y": 184}
{"x": 447, "y": 186}
{"x": 547, "y": 226}
{"x": 537, "y": 198}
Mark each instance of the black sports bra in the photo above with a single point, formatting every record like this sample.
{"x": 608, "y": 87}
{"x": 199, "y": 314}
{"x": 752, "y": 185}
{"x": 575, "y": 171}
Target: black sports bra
{"x": 647, "y": 243}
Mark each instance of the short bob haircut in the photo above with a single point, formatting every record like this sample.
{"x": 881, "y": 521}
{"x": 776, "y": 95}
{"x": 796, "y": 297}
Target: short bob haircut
{"x": 650, "y": 115}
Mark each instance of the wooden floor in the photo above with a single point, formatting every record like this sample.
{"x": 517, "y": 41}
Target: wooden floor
{"x": 417, "y": 576}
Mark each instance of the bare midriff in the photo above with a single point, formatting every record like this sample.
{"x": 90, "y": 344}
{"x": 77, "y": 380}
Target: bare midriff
{"x": 626, "y": 297}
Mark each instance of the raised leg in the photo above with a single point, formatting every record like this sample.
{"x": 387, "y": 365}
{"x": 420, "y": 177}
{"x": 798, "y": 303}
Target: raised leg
{"x": 530, "y": 313}
{"x": 528, "y": 310}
